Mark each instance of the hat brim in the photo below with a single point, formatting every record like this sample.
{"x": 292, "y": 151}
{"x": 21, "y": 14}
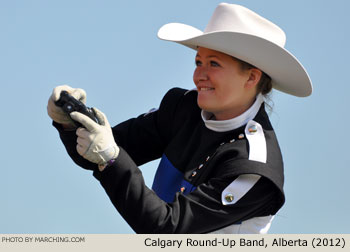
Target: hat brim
{"x": 287, "y": 73}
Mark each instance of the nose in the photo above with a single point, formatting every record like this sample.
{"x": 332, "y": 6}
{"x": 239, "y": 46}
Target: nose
{"x": 200, "y": 74}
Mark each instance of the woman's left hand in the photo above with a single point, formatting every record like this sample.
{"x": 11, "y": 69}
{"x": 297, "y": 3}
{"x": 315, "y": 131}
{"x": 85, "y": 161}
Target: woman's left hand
{"x": 96, "y": 141}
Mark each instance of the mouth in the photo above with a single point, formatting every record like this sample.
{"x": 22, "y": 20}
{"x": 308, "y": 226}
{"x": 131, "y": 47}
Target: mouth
{"x": 205, "y": 88}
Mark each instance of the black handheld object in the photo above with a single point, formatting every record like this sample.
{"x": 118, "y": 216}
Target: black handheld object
{"x": 69, "y": 104}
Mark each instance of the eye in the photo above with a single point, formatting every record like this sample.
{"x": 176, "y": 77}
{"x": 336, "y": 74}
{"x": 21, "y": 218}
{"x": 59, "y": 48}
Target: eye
{"x": 198, "y": 63}
{"x": 214, "y": 63}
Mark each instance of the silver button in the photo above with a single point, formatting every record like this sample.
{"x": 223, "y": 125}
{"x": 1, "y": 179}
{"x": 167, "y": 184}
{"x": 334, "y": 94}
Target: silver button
{"x": 194, "y": 173}
{"x": 241, "y": 136}
{"x": 200, "y": 166}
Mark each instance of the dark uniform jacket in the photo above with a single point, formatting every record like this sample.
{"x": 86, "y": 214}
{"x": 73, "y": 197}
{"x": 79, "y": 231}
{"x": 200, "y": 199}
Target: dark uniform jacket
{"x": 207, "y": 181}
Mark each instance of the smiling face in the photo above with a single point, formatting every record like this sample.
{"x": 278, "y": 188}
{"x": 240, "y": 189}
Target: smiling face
{"x": 223, "y": 87}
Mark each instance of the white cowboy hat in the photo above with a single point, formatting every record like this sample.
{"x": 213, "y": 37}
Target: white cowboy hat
{"x": 240, "y": 32}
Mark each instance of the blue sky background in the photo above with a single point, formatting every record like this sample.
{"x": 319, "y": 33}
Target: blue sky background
{"x": 110, "y": 49}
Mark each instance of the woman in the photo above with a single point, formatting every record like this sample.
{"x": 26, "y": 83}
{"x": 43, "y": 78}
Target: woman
{"x": 221, "y": 169}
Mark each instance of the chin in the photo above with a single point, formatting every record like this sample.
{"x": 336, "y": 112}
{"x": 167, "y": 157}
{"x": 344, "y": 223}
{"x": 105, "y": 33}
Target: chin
{"x": 203, "y": 103}
{"x": 205, "y": 107}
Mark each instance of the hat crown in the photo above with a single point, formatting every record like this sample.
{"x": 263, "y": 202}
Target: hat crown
{"x": 236, "y": 18}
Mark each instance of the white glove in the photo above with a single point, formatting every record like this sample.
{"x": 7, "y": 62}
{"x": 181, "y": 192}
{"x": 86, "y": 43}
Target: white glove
{"x": 95, "y": 142}
{"x": 56, "y": 113}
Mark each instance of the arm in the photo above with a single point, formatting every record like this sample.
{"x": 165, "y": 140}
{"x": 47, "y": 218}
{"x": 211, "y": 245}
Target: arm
{"x": 144, "y": 137}
{"x": 198, "y": 212}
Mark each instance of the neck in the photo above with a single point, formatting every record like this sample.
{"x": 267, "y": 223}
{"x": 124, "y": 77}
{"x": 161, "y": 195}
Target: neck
{"x": 232, "y": 123}
{"x": 226, "y": 115}
{"x": 233, "y": 113}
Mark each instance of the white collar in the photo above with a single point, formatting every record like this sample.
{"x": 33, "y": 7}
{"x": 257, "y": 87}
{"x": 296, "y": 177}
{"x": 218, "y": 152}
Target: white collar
{"x": 234, "y": 123}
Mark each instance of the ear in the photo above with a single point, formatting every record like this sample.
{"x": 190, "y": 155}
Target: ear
{"x": 254, "y": 78}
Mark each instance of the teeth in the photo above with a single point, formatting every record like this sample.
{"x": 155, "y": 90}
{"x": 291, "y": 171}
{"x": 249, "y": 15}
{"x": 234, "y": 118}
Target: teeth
{"x": 206, "y": 89}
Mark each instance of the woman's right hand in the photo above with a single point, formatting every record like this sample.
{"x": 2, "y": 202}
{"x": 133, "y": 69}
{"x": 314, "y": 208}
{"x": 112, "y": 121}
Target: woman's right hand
{"x": 56, "y": 113}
